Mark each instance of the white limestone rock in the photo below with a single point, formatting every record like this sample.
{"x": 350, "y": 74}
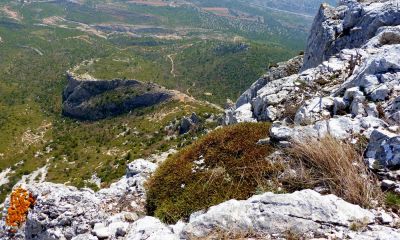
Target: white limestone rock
{"x": 85, "y": 236}
{"x": 343, "y": 127}
{"x": 244, "y": 113}
{"x": 339, "y": 105}
{"x": 358, "y": 106}
{"x": 380, "y": 93}
{"x": 314, "y": 110}
{"x": 350, "y": 26}
{"x": 384, "y": 148}
{"x": 150, "y": 228}
{"x": 140, "y": 166}
{"x": 372, "y": 110}
{"x": 281, "y": 133}
{"x": 63, "y": 212}
{"x": 393, "y": 110}
{"x": 283, "y": 69}
{"x": 376, "y": 233}
{"x": 301, "y": 212}
{"x": 352, "y": 93}
{"x": 101, "y": 231}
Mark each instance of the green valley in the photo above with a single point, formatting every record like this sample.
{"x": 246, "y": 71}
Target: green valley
{"x": 208, "y": 51}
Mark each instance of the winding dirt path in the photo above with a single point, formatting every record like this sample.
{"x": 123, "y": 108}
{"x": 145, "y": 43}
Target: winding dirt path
{"x": 172, "y": 64}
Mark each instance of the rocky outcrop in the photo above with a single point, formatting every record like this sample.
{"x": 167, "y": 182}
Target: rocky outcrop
{"x": 188, "y": 123}
{"x": 98, "y": 99}
{"x": 348, "y": 84}
{"x": 383, "y": 150}
{"x": 275, "y": 214}
{"x": 64, "y": 212}
{"x": 348, "y": 26}
{"x": 242, "y": 110}
{"x": 347, "y": 87}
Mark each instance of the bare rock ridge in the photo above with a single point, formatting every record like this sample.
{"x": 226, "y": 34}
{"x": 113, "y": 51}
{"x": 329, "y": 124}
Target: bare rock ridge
{"x": 348, "y": 84}
{"x": 98, "y": 99}
{"x": 350, "y": 25}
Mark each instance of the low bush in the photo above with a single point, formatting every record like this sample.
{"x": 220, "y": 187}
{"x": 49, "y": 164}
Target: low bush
{"x": 392, "y": 200}
{"x": 225, "y": 164}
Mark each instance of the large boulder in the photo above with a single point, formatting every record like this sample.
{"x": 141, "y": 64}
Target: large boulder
{"x": 300, "y": 212}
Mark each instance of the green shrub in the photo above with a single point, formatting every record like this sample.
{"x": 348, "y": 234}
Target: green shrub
{"x": 393, "y": 200}
{"x": 225, "y": 164}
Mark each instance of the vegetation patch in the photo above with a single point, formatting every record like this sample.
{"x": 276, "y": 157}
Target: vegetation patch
{"x": 393, "y": 201}
{"x": 226, "y": 164}
{"x": 335, "y": 166}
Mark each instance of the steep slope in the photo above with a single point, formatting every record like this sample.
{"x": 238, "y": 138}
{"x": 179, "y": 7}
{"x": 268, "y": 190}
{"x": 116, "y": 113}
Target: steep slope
{"x": 348, "y": 85}
{"x": 351, "y": 67}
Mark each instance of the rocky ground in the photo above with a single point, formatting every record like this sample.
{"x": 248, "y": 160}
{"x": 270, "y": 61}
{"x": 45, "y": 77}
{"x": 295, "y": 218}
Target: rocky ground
{"x": 346, "y": 85}
{"x": 118, "y": 212}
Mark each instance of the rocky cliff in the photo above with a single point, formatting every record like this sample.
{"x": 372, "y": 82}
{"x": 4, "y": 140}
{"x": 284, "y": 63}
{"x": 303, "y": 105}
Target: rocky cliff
{"x": 346, "y": 85}
{"x": 98, "y": 99}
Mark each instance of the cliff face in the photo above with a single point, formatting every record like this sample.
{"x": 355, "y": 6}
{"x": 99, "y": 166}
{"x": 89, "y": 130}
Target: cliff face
{"x": 343, "y": 41}
{"x": 98, "y": 99}
{"x": 349, "y": 26}
{"x": 348, "y": 84}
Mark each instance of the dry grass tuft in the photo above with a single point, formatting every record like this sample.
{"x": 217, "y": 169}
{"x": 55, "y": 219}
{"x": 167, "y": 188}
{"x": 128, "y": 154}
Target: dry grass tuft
{"x": 336, "y": 166}
{"x": 235, "y": 234}
{"x": 223, "y": 234}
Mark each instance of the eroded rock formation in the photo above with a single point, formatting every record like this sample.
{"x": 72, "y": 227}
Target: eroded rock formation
{"x": 98, "y": 99}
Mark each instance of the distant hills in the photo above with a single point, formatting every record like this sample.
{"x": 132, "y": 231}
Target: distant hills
{"x": 302, "y": 7}
{"x": 308, "y": 7}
